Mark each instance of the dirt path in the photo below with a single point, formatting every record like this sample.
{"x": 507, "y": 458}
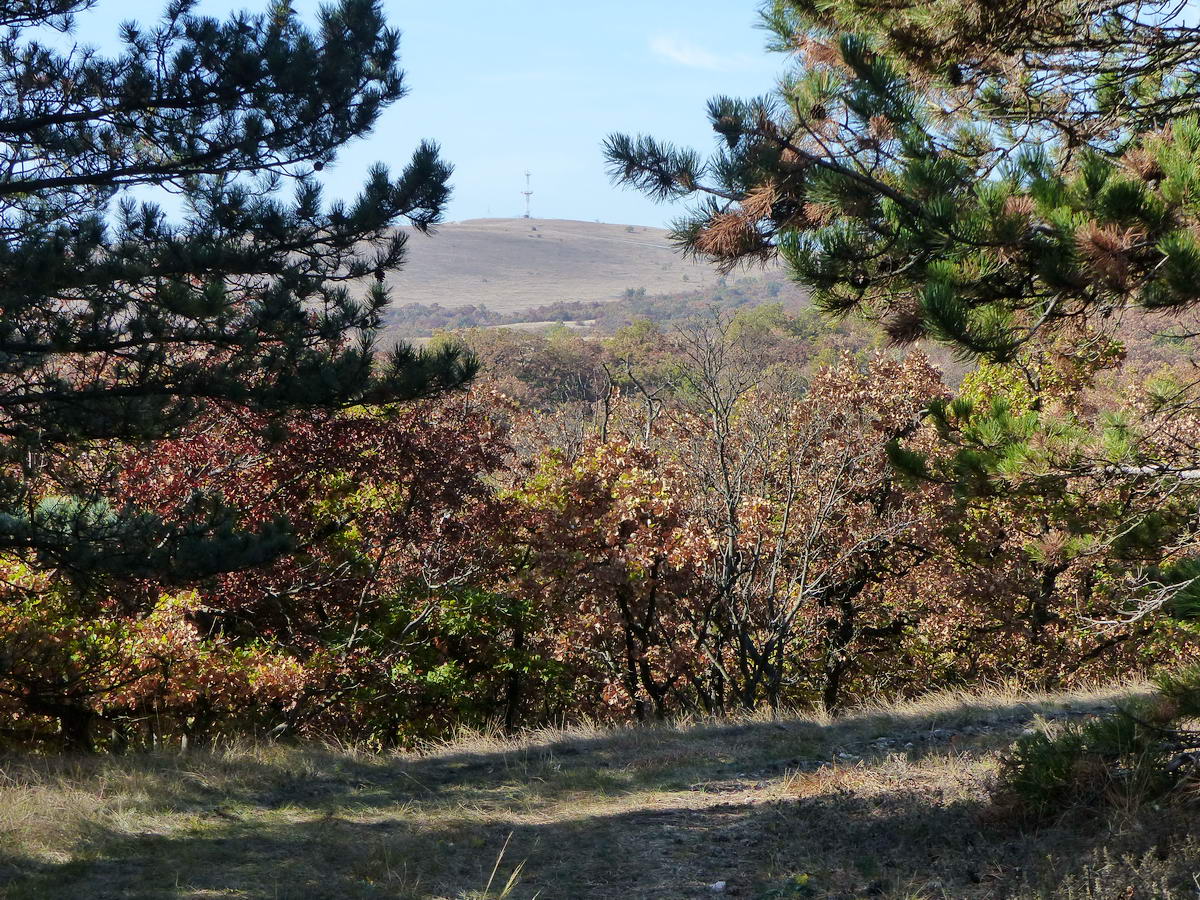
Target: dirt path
{"x": 875, "y": 805}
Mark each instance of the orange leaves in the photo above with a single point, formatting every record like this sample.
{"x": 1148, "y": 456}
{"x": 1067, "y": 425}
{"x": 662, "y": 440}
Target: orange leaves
{"x": 674, "y": 559}
{"x": 1019, "y": 206}
{"x": 755, "y": 517}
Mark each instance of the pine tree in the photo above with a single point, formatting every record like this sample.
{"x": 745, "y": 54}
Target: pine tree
{"x": 122, "y": 322}
{"x": 977, "y": 172}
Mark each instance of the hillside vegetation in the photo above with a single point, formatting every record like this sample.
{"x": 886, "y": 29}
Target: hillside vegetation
{"x": 884, "y": 802}
{"x": 272, "y": 585}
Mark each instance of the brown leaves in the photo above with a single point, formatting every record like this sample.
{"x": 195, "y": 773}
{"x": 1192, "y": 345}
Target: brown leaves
{"x": 905, "y": 325}
{"x": 1142, "y": 163}
{"x": 1019, "y": 206}
{"x": 818, "y": 213}
{"x": 880, "y": 128}
{"x": 759, "y": 201}
{"x": 1107, "y": 249}
{"x": 741, "y": 234}
{"x": 731, "y": 237}
{"x": 819, "y": 54}
{"x": 720, "y": 535}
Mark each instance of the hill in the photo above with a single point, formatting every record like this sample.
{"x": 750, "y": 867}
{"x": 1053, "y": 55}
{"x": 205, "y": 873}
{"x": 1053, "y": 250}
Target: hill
{"x": 514, "y": 264}
{"x": 888, "y": 802}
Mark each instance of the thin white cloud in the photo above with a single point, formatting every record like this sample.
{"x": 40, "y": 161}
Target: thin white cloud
{"x": 685, "y": 53}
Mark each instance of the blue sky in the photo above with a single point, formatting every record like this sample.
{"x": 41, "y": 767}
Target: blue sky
{"x": 533, "y": 84}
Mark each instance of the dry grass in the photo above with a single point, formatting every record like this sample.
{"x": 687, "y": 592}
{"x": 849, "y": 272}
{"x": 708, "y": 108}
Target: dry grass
{"x": 885, "y": 802}
{"x": 507, "y": 265}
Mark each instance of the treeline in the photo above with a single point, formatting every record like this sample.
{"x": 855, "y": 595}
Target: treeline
{"x": 705, "y": 519}
{"x": 419, "y": 320}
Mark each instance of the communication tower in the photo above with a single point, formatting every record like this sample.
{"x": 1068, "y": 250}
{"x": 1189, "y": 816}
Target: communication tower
{"x": 528, "y": 192}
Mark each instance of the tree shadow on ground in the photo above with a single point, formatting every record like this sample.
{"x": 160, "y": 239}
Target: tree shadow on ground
{"x": 551, "y": 768}
{"x": 839, "y": 845}
{"x": 789, "y": 808}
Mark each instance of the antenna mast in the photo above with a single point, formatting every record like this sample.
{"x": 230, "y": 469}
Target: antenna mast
{"x": 528, "y": 192}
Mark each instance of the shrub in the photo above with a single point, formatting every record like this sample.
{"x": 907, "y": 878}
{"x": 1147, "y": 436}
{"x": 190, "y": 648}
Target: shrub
{"x": 1137, "y": 753}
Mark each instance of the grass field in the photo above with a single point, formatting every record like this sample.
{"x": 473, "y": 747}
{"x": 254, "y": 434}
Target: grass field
{"x": 515, "y": 264}
{"x": 880, "y": 803}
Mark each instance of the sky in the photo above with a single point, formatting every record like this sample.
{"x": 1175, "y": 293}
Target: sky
{"x": 516, "y": 85}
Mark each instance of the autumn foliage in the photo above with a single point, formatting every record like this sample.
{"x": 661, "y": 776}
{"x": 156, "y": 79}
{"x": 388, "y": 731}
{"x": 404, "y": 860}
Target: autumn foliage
{"x": 702, "y": 521}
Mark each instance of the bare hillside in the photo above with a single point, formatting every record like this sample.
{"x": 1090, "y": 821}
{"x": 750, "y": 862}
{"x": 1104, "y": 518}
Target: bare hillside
{"x": 514, "y": 264}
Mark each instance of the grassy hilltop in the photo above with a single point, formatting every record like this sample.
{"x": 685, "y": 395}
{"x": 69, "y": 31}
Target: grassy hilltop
{"x": 514, "y": 264}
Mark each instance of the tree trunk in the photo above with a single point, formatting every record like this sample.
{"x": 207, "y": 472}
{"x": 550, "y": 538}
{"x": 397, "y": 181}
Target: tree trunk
{"x": 512, "y": 700}
{"x": 76, "y": 728}
{"x": 831, "y": 694}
